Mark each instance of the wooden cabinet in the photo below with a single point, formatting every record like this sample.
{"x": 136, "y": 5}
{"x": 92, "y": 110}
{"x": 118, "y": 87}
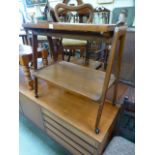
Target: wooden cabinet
{"x": 67, "y": 125}
{"x": 31, "y": 110}
{"x": 72, "y": 138}
{"x": 68, "y": 118}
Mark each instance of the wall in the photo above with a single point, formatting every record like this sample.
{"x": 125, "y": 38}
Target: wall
{"x": 117, "y": 3}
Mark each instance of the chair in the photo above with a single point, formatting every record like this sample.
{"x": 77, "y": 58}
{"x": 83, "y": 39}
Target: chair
{"x": 81, "y": 13}
{"x": 78, "y": 1}
{"x": 25, "y": 57}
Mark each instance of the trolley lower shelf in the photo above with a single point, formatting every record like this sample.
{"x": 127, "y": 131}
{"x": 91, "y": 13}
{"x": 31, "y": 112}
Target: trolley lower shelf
{"x": 75, "y": 78}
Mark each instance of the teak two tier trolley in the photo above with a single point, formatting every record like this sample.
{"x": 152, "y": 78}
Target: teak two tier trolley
{"x": 92, "y": 84}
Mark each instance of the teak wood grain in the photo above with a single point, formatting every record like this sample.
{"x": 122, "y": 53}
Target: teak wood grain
{"x": 75, "y": 78}
{"x": 68, "y": 133}
{"x": 50, "y": 99}
{"x": 85, "y": 27}
{"x": 77, "y": 111}
{"x": 118, "y": 35}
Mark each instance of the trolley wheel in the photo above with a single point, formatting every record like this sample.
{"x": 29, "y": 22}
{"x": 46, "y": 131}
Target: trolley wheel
{"x": 97, "y": 130}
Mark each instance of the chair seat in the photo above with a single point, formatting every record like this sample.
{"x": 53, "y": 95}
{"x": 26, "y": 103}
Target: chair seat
{"x": 74, "y": 42}
{"x": 42, "y": 38}
{"x": 27, "y": 49}
{"x": 25, "y": 54}
{"x": 120, "y": 146}
{"x": 22, "y": 33}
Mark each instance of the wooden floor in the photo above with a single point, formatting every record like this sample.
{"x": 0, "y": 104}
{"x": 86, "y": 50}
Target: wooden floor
{"x": 75, "y": 114}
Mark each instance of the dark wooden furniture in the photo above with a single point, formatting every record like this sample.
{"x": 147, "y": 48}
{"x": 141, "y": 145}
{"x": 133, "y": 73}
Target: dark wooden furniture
{"x": 61, "y": 10}
{"x": 25, "y": 57}
{"x": 63, "y": 13}
{"x": 82, "y": 31}
{"x": 102, "y": 14}
{"x": 78, "y": 1}
{"x": 23, "y": 35}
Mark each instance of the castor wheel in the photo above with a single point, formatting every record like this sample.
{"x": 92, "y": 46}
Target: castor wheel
{"x": 97, "y": 130}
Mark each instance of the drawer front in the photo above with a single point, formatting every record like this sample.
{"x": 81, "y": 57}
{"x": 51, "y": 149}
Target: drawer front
{"x": 71, "y": 129}
{"x": 62, "y": 142}
{"x": 72, "y": 138}
{"x": 67, "y": 140}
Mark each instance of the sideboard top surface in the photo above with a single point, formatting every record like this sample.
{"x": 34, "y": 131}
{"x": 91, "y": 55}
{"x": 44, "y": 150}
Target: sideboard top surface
{"x": 76, "y": 110}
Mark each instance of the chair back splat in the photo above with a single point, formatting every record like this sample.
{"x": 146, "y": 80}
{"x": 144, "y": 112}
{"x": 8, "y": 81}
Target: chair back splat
{"x": 64, "y": 13}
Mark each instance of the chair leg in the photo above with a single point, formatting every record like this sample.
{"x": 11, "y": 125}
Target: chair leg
{"x": 61, "y": 49}
{"x": 45, "y": 61}
{"x": 44, "y": 57}
{"x": 23, "y": 39}
{"x": 82, "y": 50}
{"x": 106, "y": 52}
{"x": 28, "y": 76}
{"x": 88, "y": 49}
{"x": 69, "y": 56}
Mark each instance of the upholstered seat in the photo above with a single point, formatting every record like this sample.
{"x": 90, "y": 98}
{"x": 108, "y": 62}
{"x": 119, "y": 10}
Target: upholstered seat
{"x": 42, "y": 38}
{"x": 73, "y": 42}
{"x": 120, "y": 146}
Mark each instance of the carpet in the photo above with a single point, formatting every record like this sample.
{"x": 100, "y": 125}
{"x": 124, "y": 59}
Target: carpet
{"x": 33, "y": 141}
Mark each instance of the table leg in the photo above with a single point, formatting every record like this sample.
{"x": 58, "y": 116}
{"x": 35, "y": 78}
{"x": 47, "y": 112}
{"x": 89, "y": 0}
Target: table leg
{"x": 106, "y": 52}
{"x": 61, "y": 49}
{"x": 118, "y": 66}
{"x": 35, "y": 43}
{"x": 27, "y": 40}
{"x": 53, "y": 48}
{"x": 27, "y": 74}
{"x": 88, "y": 49}
{"x": 107, "y": 79}
{"x": 44, "y": 55}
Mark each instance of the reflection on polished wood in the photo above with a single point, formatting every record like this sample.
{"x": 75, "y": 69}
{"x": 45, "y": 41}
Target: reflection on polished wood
{"x": 75, "y": 78}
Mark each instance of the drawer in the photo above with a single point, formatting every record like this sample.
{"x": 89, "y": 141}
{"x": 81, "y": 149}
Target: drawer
{"x": 62, "y": 142}
{"x": 79, "y": 143}
{"x": 71, "y": 129}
